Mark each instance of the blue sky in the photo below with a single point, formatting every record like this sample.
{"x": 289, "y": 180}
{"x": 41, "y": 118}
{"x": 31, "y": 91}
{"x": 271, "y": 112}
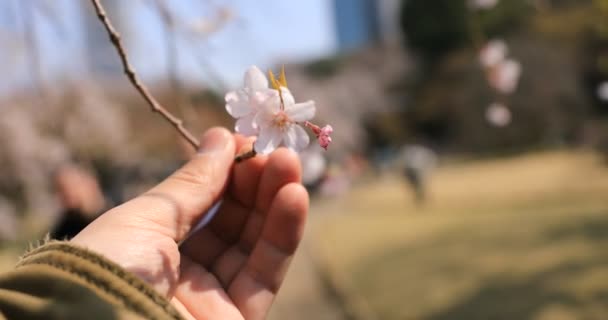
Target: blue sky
{"x": 265, "y": 32}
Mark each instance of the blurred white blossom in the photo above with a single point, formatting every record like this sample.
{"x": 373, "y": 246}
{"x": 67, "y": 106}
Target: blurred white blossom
{"x": 504, "y": 77}
{"x": 482, "y": 4}
{"x": 602, "y": 91}
{"x": 97, "y": 125}
{"x": 23, "y": 146}
{"x": 498, "y": 115}
{"x": 206, "y": 26}
{"x": 493, "y": 53}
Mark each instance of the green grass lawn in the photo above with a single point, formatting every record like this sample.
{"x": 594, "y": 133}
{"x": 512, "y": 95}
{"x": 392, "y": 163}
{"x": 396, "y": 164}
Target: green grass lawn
{"x": 518, "y": 238}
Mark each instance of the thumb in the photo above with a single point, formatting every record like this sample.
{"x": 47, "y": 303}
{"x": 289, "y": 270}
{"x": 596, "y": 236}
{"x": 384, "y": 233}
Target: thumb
{"x": 178, "y": 202}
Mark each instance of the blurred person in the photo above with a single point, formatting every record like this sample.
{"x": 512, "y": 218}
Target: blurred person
{"x": 417, "y": 162}
{"x": 81, "y": 199}
{"x": 314, "y": 167}
{"x": 140, "y": 261}
{"x": 355, "y": 165}
{"x": 336, "y": 183}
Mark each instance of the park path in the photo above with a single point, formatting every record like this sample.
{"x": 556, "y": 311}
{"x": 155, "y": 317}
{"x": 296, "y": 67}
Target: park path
{"x": 303, "y": 294}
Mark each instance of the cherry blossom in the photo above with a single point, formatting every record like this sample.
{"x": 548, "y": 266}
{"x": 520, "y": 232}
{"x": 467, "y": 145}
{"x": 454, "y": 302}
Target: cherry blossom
{"x": 504, "y": 77}
{"x": 498, "y": 115}
{"x": 272, "y": 114}
{"x": 279, "y": 121}
{"x": 493, "y": 53}
{"x": 602, "y": 91}
{"x": 483, "y": 4}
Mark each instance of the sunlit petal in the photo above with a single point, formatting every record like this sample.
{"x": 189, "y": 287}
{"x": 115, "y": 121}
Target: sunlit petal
{"x": 237, "y": 104}
{"x": 271, "y": 105}
{"x": 301, "y": 111}
{"x": 246, "y": 126}
{"x": 296, "y": 138}
{"x": 268, "y": 140}
{"x": 288, "y": 98}
{"x": 255, "y": 79}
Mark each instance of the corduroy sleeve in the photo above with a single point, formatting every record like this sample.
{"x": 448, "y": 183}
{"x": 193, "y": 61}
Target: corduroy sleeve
{"x": 61, "y": 281}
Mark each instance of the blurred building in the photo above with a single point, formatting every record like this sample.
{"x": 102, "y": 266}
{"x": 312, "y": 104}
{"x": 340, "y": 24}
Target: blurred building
{"x": 363, "y": 22}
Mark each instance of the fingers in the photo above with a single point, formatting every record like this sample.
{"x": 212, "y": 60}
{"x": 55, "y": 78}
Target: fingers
{"x": 244, "y": 185}
{"x": 243, "y": 221}
{"x": 240, "y": 198}
{"x": 257, "y": 283}
{"x": 206, "y": 245}
{"x": 283, "y": 168}
{"x": 229, "y": 239}
{"x": 176, "y": 203}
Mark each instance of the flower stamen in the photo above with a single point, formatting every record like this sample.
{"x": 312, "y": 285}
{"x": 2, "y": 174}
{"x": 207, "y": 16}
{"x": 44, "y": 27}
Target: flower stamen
{"x": 281, "y": 120}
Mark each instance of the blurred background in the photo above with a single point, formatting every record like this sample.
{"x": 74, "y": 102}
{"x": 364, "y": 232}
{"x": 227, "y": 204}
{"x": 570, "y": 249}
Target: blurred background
{"x": 468, "y": 174}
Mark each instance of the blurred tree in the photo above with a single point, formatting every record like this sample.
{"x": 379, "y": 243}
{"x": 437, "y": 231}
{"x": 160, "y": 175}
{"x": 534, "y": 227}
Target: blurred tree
{"x": 595, "y": 57}
{"x": 450, "y": 95}
{"x": 433, "y": 29}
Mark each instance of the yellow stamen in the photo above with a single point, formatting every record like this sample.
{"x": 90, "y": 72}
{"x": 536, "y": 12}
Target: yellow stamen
{"x": 273, "y": 81}
{"x": 277, "y": 84}
{"x": 281, "y": 120}
{"x": 282, "y": 78}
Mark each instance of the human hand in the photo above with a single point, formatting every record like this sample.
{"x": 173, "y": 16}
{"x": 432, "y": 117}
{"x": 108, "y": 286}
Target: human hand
{"x": 232, "y": 268}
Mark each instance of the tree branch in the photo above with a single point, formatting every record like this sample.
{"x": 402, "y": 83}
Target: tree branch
{"x": 141, "y": 88}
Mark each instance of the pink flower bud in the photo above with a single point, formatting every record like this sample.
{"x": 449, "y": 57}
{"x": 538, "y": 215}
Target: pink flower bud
{"x": 324, "y": 136}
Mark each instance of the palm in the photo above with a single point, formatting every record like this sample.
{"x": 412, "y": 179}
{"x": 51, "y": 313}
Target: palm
{"x": 237, "y": 263}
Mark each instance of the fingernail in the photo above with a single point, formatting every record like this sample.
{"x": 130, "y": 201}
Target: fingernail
{"x": 214, "y": 140}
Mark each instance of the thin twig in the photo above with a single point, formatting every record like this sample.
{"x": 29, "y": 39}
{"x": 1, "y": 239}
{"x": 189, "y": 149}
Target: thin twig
{"x": 141, "y": 88}
{"x": 245, "y": 155}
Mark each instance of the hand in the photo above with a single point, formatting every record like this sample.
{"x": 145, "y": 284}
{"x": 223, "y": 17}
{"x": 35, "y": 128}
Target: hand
{"x": 231, "y": 269}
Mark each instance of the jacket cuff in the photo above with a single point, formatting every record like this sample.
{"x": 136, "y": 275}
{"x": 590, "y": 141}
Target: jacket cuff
{"x": 110, "y": 281}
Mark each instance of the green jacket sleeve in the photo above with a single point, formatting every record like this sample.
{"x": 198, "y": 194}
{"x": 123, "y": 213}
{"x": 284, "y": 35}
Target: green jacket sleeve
{"x": 61, "y": 281}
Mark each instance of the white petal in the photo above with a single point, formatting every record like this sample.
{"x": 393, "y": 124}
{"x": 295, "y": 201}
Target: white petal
{"x": 255, "y": 79}
{"x": 237, "y": 104}
{"x": 245, "y": 125}
{"x": 271, "y": 105}
{"x": 288, "y": 98}
{"x": 257, "y": 98}
{"x": 265, "y": 114}
{"x": 268, "y": 140}
{"x": 301, "y": 111}
{"x": 296, "y": 138}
